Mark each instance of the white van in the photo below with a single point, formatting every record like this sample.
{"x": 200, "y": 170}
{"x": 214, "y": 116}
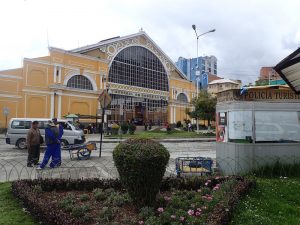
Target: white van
{"x": 18, "y": 127}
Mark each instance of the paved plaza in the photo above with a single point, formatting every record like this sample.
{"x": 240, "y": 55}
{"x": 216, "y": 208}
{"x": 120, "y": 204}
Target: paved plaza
{"x": 13, "y": 160}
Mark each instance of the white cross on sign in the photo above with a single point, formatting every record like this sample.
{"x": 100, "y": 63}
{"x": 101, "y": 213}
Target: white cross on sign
{"x": 104, "y": 99}
{"x": 5, "y": 111}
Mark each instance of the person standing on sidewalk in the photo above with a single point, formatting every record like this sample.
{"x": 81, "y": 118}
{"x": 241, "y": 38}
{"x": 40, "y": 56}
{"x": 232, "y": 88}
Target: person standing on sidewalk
{"x": 33, "y": 142}
{"x": 61, "y": 132}
{"x": 53, "y": 134}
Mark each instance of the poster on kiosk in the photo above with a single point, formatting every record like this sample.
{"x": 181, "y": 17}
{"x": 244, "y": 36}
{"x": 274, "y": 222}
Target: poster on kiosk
{"x": 221, "y": 131}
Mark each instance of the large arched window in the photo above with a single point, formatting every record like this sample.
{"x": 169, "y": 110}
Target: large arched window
{"x": 182, "y": 98}
{"x": 137, "y": 66}
{"x": 80, "y": 82}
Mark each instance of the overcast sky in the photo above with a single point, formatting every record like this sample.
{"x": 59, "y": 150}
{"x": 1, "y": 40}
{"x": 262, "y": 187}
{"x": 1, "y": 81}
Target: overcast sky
{"x": 249, "y": 34}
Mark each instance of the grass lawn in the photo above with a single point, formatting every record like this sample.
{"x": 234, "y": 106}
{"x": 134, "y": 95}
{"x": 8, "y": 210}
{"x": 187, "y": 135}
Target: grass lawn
{"x": 273, "y": 202}
{"x": 162, "y": 135}
{"x": 10, "y": 209}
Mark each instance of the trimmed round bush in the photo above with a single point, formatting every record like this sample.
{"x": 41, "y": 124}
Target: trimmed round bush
{"x": 141, "y": 164}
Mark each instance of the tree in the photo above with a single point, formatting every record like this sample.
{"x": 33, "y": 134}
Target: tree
{"x": 205, "y": 107}
{"x": 261, "y": 82}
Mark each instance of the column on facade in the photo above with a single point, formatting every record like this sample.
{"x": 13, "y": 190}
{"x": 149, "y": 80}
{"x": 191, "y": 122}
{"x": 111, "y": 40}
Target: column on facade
{"x": 101, "y": 77}
{"x": 54, "y": 73}
{"x": 174, "y": 114}
{"x": 59, "y": 106}
{"x": 105, "y": 81}
{"x": 52, "y": 105}
{"x": 59, "y": 74}
{"x": 171, "y": 114}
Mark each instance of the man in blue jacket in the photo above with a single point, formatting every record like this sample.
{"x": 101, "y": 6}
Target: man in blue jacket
{"x": 53, "y": 134}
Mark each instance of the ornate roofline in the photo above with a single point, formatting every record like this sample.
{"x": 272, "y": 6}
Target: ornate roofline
{"x": 115, "y": 45}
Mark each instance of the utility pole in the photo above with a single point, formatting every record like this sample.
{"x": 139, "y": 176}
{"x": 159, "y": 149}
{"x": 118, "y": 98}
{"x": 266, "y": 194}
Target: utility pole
{"x": 197, "y": 71}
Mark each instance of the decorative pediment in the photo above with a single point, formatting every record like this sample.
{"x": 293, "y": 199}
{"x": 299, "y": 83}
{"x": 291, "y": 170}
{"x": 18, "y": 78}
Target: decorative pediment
{"x": 113, "y": 48}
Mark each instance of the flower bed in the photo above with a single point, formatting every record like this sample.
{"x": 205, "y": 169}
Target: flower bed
{"x": 195, "y": 200}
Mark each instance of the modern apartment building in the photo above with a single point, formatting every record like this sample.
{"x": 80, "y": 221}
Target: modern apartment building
{"x": 207, "y": 66}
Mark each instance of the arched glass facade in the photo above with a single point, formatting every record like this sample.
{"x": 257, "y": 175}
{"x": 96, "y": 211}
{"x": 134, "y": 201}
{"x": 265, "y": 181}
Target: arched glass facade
{"x": 182, "y": 98}
{"x": 80, "y": 82}
{"x": 137, "y": 66}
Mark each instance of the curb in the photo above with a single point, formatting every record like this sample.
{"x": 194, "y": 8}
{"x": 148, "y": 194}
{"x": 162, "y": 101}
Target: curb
{"x": 163, "y": 140}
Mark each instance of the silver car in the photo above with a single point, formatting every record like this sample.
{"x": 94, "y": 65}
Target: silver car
{"x": 18, "y": 127}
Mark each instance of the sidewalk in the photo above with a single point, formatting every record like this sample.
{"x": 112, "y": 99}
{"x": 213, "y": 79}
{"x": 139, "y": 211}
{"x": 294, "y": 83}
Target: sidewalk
{"x": 96, "y": 138}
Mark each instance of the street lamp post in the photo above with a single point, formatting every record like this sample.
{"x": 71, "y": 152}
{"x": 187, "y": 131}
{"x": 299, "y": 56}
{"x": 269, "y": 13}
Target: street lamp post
{"x": 197, "y": 67}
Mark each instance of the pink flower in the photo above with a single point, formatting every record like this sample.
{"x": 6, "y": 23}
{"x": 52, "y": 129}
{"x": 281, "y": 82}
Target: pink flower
{"x": 173, "y": 217}
{"x": 167, "y": 198}
{"x": 207, "y": 182}
{"x": 191, "y": 212}
{"x": 217, "y": 187}
{"x": 193, "y": 205}
{"x": 204, "y": 207}
{"x": 217, "y": 178}
{"x": 207, "y": 198}
{"x": 160, "y": 210}
{"x": 199, "y": 190}
{"x": 199, "y": 209}
{"x": 181, "y": 218}
{"x": 197, "y": 213}
{"x": 141, "y": 222}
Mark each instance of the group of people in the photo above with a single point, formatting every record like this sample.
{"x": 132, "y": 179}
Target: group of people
{"x": 53, "y": 134}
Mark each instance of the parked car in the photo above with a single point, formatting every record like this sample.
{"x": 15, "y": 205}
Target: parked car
{"x": 18, "y": 127}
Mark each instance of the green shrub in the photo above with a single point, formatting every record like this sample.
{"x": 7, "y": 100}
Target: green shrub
{"x": 169, "y": 129}
{"x": 99, "y": 194}
{"x": 141, "y": 164}
{"x": 80, "y": 211}
{"x": 107, "y": 214}
{"x": 124, "y": 127}
{"x": 131, "y": 128}
{"x": 178, "y": 124}
{"x": 38, "y": 189}
{"x": 278, "y": 169}
{"x": 146, "y": 212}
{"x": 68, "y": 202}
{"x": 116, "y": 199}
{"x": 115, "y": 129}
{"x": 84, "y": 197}
{"x": 153, "y": 220}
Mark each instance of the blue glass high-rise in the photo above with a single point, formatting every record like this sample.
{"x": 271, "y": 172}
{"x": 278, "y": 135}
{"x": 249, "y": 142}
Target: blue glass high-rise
{"x": 207, "y": 65}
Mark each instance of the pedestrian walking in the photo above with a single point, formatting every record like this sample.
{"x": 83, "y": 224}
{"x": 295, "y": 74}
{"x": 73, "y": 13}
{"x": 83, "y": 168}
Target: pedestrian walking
{"x": 189, "y": 127}
{"x": 33, "y": 141}
{"x": 109, "y": 128}
{"x": 53, "y": 134}
{"x": 146, "y": 125}
{"x": 61, "y": 129}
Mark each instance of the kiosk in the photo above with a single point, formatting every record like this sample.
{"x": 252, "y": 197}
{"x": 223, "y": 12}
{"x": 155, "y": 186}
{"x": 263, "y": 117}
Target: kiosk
{"x": 255, "y": 127}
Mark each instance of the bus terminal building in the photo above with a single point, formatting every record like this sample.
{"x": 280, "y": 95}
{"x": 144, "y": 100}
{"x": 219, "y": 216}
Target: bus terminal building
{"x": 143, "y": 82}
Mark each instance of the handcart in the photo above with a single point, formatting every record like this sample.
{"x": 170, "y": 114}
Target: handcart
{"x": 193, "y": 165}
{"x": 81, "y": 151}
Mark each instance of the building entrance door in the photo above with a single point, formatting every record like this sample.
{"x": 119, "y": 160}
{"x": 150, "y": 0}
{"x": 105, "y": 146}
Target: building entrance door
{"x": 140, "y": 114}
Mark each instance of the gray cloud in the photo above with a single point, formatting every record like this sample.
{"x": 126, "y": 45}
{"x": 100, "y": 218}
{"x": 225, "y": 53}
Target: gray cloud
{"x": 249, "y": 34}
